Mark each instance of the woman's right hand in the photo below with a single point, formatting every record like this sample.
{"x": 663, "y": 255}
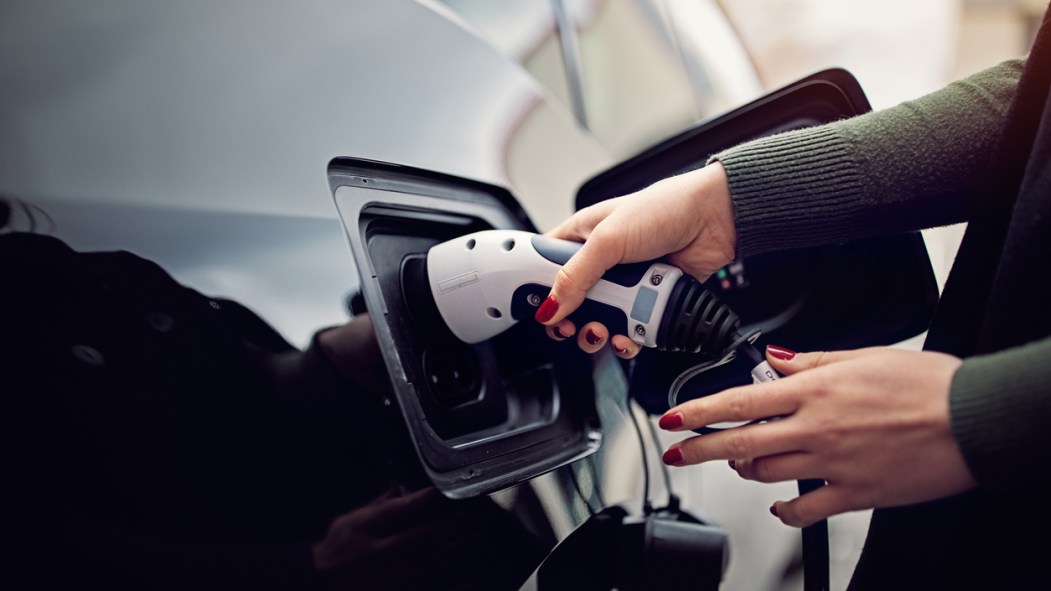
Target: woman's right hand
{"x": 687, "y": 217}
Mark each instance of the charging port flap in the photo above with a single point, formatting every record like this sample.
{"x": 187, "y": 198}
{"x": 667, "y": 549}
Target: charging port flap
{"x": 482, "y": 417}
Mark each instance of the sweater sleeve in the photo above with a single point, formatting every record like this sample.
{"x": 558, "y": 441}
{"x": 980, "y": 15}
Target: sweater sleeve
{"x": 904, "y": 168}
{"x": 1000, "y": 405}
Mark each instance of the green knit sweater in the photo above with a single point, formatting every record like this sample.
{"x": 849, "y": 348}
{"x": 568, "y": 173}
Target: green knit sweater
{"x": 905, "y": 168}
{"x": 921, "y": 164}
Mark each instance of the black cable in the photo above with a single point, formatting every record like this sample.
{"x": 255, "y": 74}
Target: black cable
{"x": 647, "y": 508}
{"x": 815, "y": 546}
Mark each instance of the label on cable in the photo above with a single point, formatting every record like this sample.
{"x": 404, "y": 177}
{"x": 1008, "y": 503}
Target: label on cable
{"x": 760, "y": 373}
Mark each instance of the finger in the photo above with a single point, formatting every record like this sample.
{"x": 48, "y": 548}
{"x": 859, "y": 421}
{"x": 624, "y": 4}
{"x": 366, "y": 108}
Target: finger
{"x": 394, "y": 514}
{"x": 789, "y": 362}
{"x": 750, "y": 441}
{"x": 592, "y": 337}
{"x": 578, "y": 227}
{"x": 429, "y": 534}
{"x": 561, "y": 331}
{"x": 744, "y": 403}
{"x": 624, "y": 347}
{"x": 578, "y": 275}
{"x": 814, "y": 506}
{"x": 780, "y": 467}
{"x": 391, "y": 492}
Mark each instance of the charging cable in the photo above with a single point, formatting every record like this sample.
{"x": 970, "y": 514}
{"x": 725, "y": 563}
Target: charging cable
{"x": 815, "y": 537}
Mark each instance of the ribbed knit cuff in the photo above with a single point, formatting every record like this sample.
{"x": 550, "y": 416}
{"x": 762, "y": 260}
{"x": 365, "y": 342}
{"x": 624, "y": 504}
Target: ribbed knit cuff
{"x": 794, "y": 189}
{"x": 1001, "y": 408}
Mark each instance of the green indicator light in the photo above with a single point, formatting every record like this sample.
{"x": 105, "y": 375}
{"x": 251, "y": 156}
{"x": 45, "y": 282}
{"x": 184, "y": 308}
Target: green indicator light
{"x": 722, "y": 273}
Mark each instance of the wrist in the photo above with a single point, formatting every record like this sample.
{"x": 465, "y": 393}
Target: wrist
{"x": 707, "y": 191}
{"x": 715, "y": 194}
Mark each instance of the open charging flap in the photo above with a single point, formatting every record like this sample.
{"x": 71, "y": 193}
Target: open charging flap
{"x": 482, "y": 417}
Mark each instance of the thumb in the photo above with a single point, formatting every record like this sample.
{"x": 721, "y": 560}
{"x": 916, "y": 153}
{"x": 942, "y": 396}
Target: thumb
{"x": 814, "y": 506}
{"x": 577, "y": 276}
{"x": 789, "y": 362}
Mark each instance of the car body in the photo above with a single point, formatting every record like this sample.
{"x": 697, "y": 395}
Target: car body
{"x": 198, "y": 135}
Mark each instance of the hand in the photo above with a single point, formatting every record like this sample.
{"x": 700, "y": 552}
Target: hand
{"x": 391, "y": 542}
{"x": 689, "y": 217}
{"x": 874, "y": 423}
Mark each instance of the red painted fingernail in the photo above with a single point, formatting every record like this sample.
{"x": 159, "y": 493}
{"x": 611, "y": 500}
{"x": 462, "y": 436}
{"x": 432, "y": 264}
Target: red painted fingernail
{"x": 780, "y": 352}
{"x": 558, "y": 333}
{"x": 592, "y": 338}
{"x": 773, "y": 510}
{"x": 672, "y": 421}
{"x": 547, "y": 310}
{"x": 733, "y": 465}
{"x": 672, "y": 457}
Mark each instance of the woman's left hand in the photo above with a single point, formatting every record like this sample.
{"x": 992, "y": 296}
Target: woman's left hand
{"x": 874, "y": 423}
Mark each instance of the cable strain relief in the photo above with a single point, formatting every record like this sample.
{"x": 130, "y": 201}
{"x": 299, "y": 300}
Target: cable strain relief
{"x": 695, "y": 321}
{"x": 673, "y": 503}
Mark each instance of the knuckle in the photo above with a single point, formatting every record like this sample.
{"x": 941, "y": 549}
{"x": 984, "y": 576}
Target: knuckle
{"x": 695, "y": 411}
{"x": 738, "y": 444}
{"x": 794, "y": 514}
{"x": 610, "y": 236}
{"x": 819, "y": 358}
{"x": 763, "y": 471}
{"x": 821, "y": 385}
{"x": 740, "y": 405}
{"x": 860, "y": 497}
{"x": 565, "y": 279}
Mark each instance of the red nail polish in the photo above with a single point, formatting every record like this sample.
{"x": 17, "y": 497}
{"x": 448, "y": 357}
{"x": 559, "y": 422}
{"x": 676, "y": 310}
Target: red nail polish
{"x": 733, "y": 465}
{"x": 672, "y": 421}
{"x": 672, "y": 457}
{"x": 558, "y": 333}
{"x": 773, "y": 510}
{"x": 780, "y": 352}
{"x": 592, "y": 338}
{"x": 547, "y": 310}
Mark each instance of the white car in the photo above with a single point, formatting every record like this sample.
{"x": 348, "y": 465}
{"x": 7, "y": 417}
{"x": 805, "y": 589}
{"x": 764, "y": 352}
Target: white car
{"x": 242, "y": 145}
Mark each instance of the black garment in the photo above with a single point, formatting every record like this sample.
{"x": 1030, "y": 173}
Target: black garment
{"x": 157, "y": 438}
{"x": 999, "y": 536}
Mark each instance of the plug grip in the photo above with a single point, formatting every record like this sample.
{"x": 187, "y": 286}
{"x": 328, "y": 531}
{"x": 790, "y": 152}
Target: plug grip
{"x": 695, "y": 321}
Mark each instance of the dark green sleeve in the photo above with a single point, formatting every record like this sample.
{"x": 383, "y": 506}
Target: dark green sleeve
{"x": 1001, "y": 406}
{"x": 908, "y": 167}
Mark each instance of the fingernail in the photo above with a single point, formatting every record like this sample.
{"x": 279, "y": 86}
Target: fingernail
{"x": 672, "y": 457}
{"x": 558, "y": 333}
{"x": 773, "y": 510}
{"x": 672, "y": 421}
{"x": 780, "y": 352}
{"x": 591, "y": 337}
{"x": 619, "y": 349}
{"x": 547, "y": 310}
{"x": 733, "y": 465}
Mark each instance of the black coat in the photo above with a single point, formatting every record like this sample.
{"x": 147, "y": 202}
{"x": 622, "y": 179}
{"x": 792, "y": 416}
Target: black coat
{"x": 157, "y": 437}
